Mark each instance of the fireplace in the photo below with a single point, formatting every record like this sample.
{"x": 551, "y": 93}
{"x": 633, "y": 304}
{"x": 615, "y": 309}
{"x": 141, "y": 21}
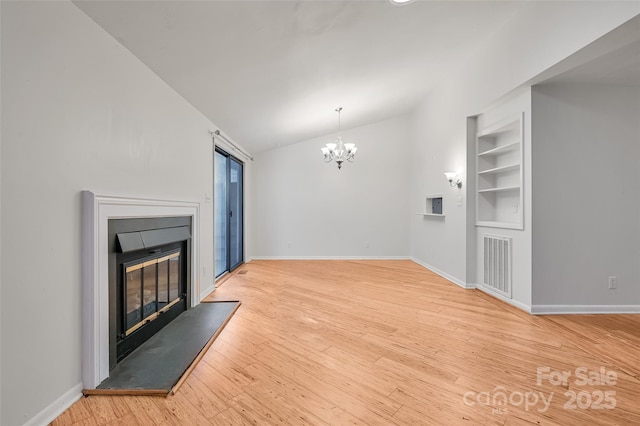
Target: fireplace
{"x": 99, "y": 252}
{"x": 147, "y": 279}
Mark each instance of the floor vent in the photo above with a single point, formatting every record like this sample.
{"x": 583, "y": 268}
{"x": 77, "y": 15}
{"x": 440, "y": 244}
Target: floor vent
{"x": 497, "y": 264}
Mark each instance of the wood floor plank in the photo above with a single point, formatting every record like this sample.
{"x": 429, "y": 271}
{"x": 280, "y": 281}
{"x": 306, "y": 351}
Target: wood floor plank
{"x": 255, "y": 412}
{"x": 358, "y": 400}
{"x": 199, "y": 396}
{"x": 147, "y": 411}
{"x": 303, "y": 397}
{"x": 126, "y": 420}
{"x": 107, "y": 410}
{"x": 385, "y": 343}
{"x": 229, "y": 417}
{"x": 183, "y": 412}
{"x": 231, "y": 352}
{"x": 222, "y": 385}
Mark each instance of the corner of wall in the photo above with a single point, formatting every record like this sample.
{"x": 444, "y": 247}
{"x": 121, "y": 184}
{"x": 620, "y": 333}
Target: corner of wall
{"x": 57, "y": 407}
{"x": 443, "y": 274}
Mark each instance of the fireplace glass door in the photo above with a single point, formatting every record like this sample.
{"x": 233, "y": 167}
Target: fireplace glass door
{"x": 151, "y": 288}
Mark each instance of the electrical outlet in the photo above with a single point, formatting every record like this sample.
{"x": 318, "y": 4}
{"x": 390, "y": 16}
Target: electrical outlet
{"x": 289, "y": 244}
{"x": 366, "y": 244}
{"x": 613, "y": 283}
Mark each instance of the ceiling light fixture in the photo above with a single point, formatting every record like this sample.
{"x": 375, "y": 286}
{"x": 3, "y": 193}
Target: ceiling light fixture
{"x": 400, "y": 2}
{"x": 339, "y": 151}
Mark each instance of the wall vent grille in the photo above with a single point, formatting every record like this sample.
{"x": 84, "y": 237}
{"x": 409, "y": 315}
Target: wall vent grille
{"x": 497, "y": 264}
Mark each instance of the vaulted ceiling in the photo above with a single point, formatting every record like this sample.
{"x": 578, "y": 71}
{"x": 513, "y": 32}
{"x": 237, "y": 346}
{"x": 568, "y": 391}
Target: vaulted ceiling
{"x": 271, "y": 73}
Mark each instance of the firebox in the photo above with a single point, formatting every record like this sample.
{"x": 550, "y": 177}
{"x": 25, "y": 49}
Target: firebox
{"x": 150, "y": 268}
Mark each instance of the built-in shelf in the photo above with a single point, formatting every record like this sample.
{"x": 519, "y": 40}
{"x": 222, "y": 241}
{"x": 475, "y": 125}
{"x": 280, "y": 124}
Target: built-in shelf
{"x": 433, "y": 206}
{"x": 499, "y": 176}
{"x": 504, "y": 188}
{"x": 503, "y": 149}
{"x": 501, "y": 169}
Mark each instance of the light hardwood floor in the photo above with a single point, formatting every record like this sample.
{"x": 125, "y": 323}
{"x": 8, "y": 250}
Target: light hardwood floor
{"x": 388, "y": 343}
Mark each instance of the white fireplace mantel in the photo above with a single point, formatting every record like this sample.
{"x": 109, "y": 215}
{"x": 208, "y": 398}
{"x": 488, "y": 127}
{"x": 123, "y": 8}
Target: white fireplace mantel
{"x": 97, "y": 209}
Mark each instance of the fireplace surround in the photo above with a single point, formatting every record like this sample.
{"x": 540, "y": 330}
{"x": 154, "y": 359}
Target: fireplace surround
{"x": 97, "y": 211}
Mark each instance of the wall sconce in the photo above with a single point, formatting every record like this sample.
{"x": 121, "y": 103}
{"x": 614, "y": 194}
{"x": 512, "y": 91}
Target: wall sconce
{"x": 454, "y": 179}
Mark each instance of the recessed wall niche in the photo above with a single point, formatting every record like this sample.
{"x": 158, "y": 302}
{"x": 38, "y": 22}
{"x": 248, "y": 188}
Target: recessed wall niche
{"x": 433, "y": 206}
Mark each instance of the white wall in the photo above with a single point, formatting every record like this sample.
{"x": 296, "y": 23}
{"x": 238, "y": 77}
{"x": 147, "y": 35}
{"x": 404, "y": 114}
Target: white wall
{"x": 78, "y": 112}
{"x": 516, "y": 53}
{"x": 439, "y": 145}
{"x": 305, "y": 208}
{"x": 586, "y": 199}
{"x": 0, "y": 220}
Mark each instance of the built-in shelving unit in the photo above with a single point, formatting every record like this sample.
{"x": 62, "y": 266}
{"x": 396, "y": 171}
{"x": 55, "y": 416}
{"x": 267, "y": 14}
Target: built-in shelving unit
{"x": 499, "y": 174}
{"x": 434, "y": 206}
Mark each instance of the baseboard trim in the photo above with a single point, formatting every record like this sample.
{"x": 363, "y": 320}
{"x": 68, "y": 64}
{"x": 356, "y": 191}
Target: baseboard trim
{"x": 330, "y": 258}
{"x": 471, "y": 286}
{"x": 584, "y": 309}
{"x": 57, "y": 407}
{"x": 206, "y": 292}
{"x": 442, "y": 274}
{"x": 515, "y": 303}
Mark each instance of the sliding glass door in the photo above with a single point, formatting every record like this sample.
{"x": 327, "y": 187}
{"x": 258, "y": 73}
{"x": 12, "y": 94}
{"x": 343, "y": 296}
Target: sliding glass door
{"x": 235, "y": 214}
{"x": 228, "y": 212}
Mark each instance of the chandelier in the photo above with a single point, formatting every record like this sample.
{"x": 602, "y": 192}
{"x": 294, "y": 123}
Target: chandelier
{"x": 339, "y": 151}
